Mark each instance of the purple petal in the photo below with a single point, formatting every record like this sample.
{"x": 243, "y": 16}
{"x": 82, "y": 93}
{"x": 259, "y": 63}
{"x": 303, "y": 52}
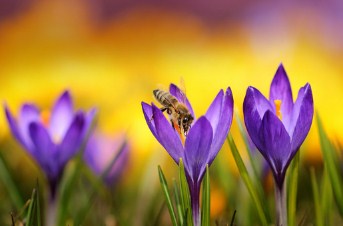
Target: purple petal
{"x": 168, "y": 137}
{"x": 89, "y": 120}
{"x": 28, "y": 114}
{"x": 223, "y": 124}
{"x": 254, "y": 107}
{"x": 73, "y": 138}
{"x": 276, "y": 145}
{"x": 14, "y": 128}
{"x": 215, "y": 109}
{"x": 280, "y": 89}
{"x": 45, "y": 149}
{"x": 61, "y": 115}
{"x": 302, "y": 117}
{"x": 148, "y": 115}
{"x": 197, "y": 148}
{"x": 176, "y": 92}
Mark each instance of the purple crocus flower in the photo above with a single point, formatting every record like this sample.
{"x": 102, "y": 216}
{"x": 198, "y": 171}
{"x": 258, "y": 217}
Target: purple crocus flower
{"x": 102, "y": 151}
{"x": 52, "y": 139}
{"x": 278, "y": 127}
{"x": 203, "y": 142}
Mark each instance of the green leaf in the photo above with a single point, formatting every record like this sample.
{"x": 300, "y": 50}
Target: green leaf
{"x": 315, "y": 190}
{"x": 255, "y": 163}
{"x": 330, "y": 156}
{"x": 185, "y": 195}
{"x": 30, "y": 217}
{"x": 10, "y": 186}
{"x": 164, "y": 186}
{"x": 248, "y": 181}
{"x": 292, "y": 189}
{"x": 81, "y": 215}
{"x": 67, "y": 185}
{"x": 206, "y": 202}
{"x": 178, "y": 202}
{"x": 327, "y": 198}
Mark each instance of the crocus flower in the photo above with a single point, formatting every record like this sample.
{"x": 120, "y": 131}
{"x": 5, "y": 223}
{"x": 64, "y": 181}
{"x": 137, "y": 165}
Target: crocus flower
{"x": 52, "y": 139}
{"x": 203, "y": 142}
{"x": 278, "y": 126}
{"x": 103, "y": 151}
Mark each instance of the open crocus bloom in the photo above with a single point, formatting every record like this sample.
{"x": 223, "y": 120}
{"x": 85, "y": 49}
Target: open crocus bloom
{"x": 104, "y": 151}
{"x": 52, "y": 139}
{"x": 278, "y": 126}
{"x": 203, "y": 142}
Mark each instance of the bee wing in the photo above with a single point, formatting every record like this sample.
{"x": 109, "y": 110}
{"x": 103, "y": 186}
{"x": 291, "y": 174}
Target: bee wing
{"x": 180, "y": 96}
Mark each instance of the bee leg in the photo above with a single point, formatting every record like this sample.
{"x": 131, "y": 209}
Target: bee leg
{"x": 172, "y": 124}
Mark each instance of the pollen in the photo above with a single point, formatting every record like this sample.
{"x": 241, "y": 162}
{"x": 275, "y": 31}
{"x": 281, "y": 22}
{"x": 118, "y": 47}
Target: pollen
{"x": 45, "y": 117}
{"x": 278, "y": 108}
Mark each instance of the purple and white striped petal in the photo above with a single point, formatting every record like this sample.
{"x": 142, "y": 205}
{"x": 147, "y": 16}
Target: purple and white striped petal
{"x": 73, "y": 139}
{"x": 302, "y": 115}
{"x": 176, "y": 92}
{"x": 61, "y": 115}
{"x": 223, "y": 124}
{"x": 280, "y": 89}
{"x": 14, "y": 127}
{"x": 197, "y": 147}
{"x": 254, "y": 107}
{"x": 44, "y": 150}
{"x": 276, "y": 145}
{"x": 168, "y": 137}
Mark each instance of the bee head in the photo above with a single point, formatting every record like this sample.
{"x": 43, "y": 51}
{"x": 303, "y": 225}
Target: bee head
{"x": 186, "y": 122}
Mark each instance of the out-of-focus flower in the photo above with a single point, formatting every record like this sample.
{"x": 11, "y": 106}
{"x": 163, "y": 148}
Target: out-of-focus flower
{"x": 52, "y": 139}
{"x": 103, "y": 151}
{"x": 278, "y": 126}
{"x": 203, "y": 142}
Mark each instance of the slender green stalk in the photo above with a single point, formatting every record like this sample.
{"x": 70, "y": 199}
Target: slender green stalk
{"x": 315, "y": 189}
{"x": 281, "y": 205}
{"x": 292, "y": 189}
{"x": 330, "y": 157}
{"x": 51, "y": 211}
{"x": 206, "y": 201}
{"x": 164, "y": 186}
{"x": 10, "y": 186}
{"x": 248, "y": 181}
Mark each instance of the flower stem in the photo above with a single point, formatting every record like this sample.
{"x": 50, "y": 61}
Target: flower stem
{"x": 281, "y": 204}
{"x": 51, "y": 211}
{"x": 195, "y": 193}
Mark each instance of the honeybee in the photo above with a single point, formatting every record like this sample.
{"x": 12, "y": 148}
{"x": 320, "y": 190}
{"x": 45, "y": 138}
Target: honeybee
{"x": 178, "y": 112}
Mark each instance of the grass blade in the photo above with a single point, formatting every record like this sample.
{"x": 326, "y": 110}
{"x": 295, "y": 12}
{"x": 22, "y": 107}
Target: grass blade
{"x": 315, "y": 189}
{"x": 248, "y": 181}
{"x": 164, "y": 186}
{"x": 329, "y": 154}
{"x": 10, "y": 186}
{"x": 185, "y": 195}
{"x": 327, "y": 199}
{"x": 292, "y": 189}
{"x": 206, "y": 202}
{"x": 178, "y": 203}
{"x": 32, "y": 209}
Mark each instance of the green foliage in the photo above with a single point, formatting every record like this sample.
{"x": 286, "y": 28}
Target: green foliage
{"x": 33, "y": 217}
{"x": 254, "y": 193}
{"x": 206, "y": 202}
{"x": 165, "y": 189}
{"x": 330, "y": 156}
{"x": 293, "y": 175}
{"x": 11, "y": 187}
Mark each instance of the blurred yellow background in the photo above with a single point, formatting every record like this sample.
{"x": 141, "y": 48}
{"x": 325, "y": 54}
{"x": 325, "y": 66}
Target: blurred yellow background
{"x": 112, "y": 54}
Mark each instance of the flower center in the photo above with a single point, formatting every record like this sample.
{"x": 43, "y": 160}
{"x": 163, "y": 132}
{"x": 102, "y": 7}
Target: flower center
{"x": 45, "y": 117}
{"x": 178, "y": 129}
{"x": 278, "y": 108}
